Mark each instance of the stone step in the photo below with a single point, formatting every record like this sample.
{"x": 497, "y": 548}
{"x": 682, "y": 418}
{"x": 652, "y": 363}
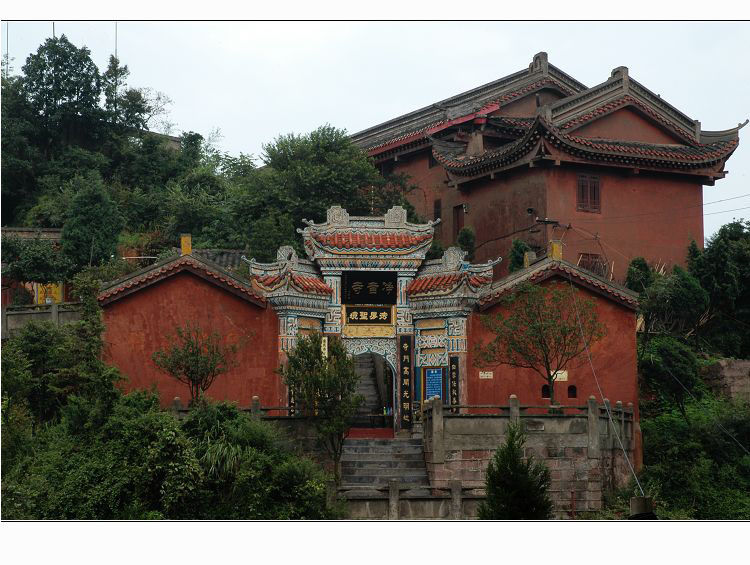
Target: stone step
{"x": 420, "y": 479}
{"x": 358, "y": 442}
{"x": 352, "y": 465}
{"x": 408, "y": 456}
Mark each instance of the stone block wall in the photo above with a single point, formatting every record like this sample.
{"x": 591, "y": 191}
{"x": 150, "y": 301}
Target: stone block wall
{"x": 580, "y": 449}
{"x": 730, "y": 378}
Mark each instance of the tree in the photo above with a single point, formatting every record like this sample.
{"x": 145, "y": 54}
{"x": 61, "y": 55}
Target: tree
{"x": 466, "y": 240}
{"x": 34, "y": 260}
{"x": 546, "y": 328}
{"x": 196, "y": 359}
{"x": 516, "y": 489}
{"x": 324, "y": 388}
{"x": 63, "y": 86}
{"x": 517, "y": 250}
{"x": 723, "y": 270}
{"x": 89, "y": 236}
{"x": 639, "y": 276}
{"x": 662, "y": 361}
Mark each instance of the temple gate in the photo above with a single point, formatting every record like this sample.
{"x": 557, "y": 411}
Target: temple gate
{"x": 366, "y": 280}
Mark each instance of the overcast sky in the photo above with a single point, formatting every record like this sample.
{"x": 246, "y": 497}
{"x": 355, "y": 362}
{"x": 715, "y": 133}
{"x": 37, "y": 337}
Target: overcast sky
{"x": 254, "y": 81}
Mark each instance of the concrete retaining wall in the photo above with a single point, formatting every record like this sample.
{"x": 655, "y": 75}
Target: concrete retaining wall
{"x": 730, "y": 378}
{"x": 580, "y": 449}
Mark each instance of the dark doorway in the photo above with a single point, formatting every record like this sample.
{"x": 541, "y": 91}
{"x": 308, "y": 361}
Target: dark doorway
{"x": 376, "y": 386}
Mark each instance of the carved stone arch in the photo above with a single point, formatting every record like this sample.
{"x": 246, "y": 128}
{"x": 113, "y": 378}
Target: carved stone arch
{"x": 385, "y": 346}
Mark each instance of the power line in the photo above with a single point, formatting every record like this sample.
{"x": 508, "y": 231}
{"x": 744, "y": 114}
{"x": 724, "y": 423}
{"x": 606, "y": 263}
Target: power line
{"x": 601, "y": 393}
{"x": 669, "y": 211}
{"x": 717, "y": 421}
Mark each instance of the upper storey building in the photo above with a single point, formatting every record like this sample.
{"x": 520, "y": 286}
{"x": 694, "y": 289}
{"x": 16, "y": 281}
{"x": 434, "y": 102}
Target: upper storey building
{"x": 618, "y": 168}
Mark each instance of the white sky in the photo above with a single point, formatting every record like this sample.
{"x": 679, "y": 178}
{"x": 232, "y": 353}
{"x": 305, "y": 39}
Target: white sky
{"x": 256, "y": 80}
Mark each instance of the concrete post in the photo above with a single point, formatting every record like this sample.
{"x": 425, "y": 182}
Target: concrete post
{"x": 330, "y": 492}
{"x": 456, "y": 511}
{"x": 593, "y": 428}
{"x": 176, "y": 406}
{"x": 255, "y": 407}
{"x": 515, "y": 410}
{"x": 55, "y": 313}
{"x": 632, "y": 412}
{"x": 618, "y": 407}
{"x": 393, "y": 499}
{"x": 438, "y": 445}
{"x": 610, "y": 424}
{"x": 641, "y": 508}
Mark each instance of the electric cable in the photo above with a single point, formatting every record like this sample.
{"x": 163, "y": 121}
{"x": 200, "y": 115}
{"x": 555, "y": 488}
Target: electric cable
{"x": 601, "y": 393}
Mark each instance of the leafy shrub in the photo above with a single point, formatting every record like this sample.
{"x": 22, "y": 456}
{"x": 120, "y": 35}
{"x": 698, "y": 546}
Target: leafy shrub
{"x": 516, "y": 489}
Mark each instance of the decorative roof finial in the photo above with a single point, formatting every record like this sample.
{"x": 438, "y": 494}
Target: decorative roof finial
{"x": 539, "y": 63}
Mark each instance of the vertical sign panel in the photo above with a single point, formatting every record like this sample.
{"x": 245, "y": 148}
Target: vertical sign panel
{"x": 405, "y": 354}
{"x": 453, "y": 383}
{"x": 433, "y": 383}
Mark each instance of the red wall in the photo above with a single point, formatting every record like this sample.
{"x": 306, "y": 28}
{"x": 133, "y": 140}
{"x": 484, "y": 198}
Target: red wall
{"x": 628, "y": 125}
{"x": 627, "y": 226}
{"x": 139, "y": 324}
{"x": 614, "y": 359}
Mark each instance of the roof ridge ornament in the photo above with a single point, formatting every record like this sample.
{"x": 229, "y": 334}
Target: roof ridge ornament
{"x": 539, "y": 63}
{"x": 337, "y": 216}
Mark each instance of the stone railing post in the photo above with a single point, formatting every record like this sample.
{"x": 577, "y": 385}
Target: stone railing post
{"x": 515, "y": 410}
{"x": 438, "y": 444}
{"x": 610, "y": 424}
{"x": 176, "y": 406}
{"x": 456, "y": 503}
{"x": 55, "y": 313}
{"x": 618, "y": 407}
{"x": 593, "y": 428}
{"x": 632, "y": 420}
{"x": 330, "y": 492}
{"x": 255, "y": 407}
{"x": 393, "y": 499}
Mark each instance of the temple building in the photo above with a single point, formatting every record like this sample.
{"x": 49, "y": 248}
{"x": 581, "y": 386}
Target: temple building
{"x": 613, "y": 170}
{"x": 413, "y": 323}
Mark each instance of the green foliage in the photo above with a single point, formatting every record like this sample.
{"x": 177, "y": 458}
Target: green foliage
{"x": 34, "y": 260}
{"x": 517, "y": 250}
{"x": 435, "y": 251}
{"x": 664, "y": 363}
{"x": 324, "y": 387}
{"x": 63, "y": 87}
{"x": 693, "y": 466}
{"x": 639, "y": 276}
{"x": 545, "y": 329}
{"x": 90, "y": 234}
{"x": 673, "y": 304}
{"x": 516, "y": 488}
{"x": 466, "y": 240}
{"x": 250, "y": 470}
{"x": 136, "y": 464}
{"x": 196, "y": 358}
{"x": 723, "y": 270}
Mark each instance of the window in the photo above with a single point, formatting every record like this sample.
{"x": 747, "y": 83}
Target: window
{"x": 458, "y": 220}
{"x": 588, "y": 198}
{"x": 386, "y": 168}
{"x": 595, "y": 263}
{"x": 545, "y": 391}
{"x": 437, "y": 209}
{"x": 572, "y": 391}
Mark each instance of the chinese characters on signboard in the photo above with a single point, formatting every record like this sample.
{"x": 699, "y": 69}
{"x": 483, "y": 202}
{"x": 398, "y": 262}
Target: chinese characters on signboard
{"x": 368, "y": 287}
{"x": 453, "y": 383}
{"x": 405, "y": 376}
{"x": 433, "y": 385}
{"x": 369, "y": 315}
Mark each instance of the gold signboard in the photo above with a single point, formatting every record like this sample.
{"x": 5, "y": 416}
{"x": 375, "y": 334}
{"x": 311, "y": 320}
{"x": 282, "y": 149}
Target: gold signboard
{"x": 368, "y": 321}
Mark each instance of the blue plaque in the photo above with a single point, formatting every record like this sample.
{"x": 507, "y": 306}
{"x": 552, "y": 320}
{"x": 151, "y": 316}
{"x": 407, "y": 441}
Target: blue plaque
{"x": 433, "y": 383}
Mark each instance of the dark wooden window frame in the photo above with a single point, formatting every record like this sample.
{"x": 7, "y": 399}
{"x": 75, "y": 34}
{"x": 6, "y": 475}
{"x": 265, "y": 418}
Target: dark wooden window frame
{"x": 588, "y": 194}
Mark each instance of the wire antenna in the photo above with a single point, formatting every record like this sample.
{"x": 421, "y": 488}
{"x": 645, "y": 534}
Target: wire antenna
{"x": 601, "y": 393}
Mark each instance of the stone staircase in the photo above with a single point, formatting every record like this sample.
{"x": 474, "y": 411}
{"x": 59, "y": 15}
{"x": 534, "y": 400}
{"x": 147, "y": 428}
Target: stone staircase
{"x": 372, "y": 463}
{"x": 370, "y": 413}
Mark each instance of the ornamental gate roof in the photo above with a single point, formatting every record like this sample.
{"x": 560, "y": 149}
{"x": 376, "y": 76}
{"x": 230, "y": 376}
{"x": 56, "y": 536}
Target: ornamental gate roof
{"x": 385, "y": 243}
